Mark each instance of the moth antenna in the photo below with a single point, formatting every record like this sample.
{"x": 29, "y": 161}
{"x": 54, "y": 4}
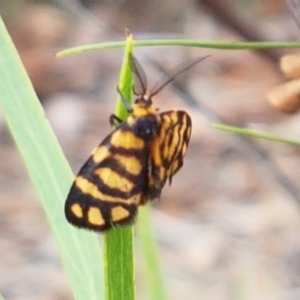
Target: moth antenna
{"x": 140, "y": 76}
{"x": 178, "y": 71}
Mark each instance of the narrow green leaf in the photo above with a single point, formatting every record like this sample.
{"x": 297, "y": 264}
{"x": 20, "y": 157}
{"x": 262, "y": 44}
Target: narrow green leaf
{"x": 257, "y": 134}
{"x": 119, "y": 264}
{"x": 125, "y": 81}
{"x": 183, "y": 43}
{"x": 118, "y": 243}
{"x": 153, "y": 274}
{"x": 1, "y": 297}
{"x": 48, "y": 170}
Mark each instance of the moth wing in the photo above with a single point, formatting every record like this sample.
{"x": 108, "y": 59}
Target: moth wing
{"x": 168, "y": 149}
{"x": 108, "y": 188}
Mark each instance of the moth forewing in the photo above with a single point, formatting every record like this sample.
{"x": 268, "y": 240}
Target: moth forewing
{"x": 168, "y": 149}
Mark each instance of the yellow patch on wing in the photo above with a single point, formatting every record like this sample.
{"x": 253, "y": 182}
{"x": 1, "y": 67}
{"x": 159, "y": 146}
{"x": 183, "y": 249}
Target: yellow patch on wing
{"x": 95, "y": 217}
{"x": 114, "y": 180}
{"x": 155, "y": 152}
{"x": 127, "y": 140}
{"x": 119, "y": 213}
{"x": 100, "y": 153}
{"x": 131, "y": 164}
{"x": 184, "y": 148}
{"x": 135, "y": 199}
{"x": 91, "y": 189}
{"x": 162, "y": 173}
{"x": 77, "y": 210}
{"x": 173, "y": 168}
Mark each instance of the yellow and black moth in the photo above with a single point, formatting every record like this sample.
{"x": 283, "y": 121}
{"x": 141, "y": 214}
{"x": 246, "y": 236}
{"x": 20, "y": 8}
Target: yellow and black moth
{"x": 132, "y": 164}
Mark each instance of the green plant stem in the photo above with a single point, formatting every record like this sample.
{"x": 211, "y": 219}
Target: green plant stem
{"x": 234, "y": 45}
{"x": 118, "y": 242}
{"x": 257, "y": 134}
{"x": 119, "y": 264}
{"x": 153, "y": 275}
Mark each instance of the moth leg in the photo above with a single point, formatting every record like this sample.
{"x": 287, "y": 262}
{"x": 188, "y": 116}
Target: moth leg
{"x": 124, "y": 100}
{"x": 114, "y": 120}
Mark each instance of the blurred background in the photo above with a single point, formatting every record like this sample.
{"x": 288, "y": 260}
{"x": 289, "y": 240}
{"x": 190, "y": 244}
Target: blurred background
{"x": 228, "y": 227}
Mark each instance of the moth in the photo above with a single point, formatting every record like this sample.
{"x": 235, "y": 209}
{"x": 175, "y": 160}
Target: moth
{"x": 132, "y": 164}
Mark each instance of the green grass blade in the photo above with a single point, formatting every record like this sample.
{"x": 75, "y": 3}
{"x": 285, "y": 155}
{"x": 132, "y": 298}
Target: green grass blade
{"x": 48, "y": 170}
{"x": 118, "y": 258}
{"x": 153, "y": 276}
{"x": 257, "y": 134}
{"x": 118, "y": 243}
{"x": 125, "y": 81}
{"x": 1, "y": 297}
{"x": 183, "y": 43}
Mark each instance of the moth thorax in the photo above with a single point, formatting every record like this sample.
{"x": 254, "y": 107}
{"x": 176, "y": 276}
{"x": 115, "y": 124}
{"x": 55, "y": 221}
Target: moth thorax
{"x": 147, "y": 127}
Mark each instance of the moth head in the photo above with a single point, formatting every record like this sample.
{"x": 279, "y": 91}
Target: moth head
{"x": 143, "y": 100}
